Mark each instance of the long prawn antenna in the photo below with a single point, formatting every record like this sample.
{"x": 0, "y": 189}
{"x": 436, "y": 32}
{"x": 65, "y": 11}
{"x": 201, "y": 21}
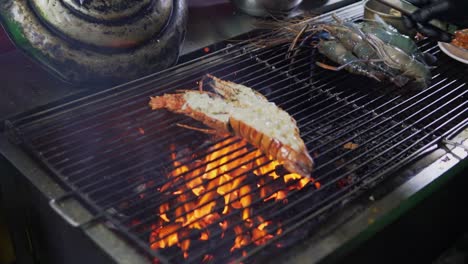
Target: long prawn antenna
{"x": 296, "y": 39}
{"x": 337, "y": 18}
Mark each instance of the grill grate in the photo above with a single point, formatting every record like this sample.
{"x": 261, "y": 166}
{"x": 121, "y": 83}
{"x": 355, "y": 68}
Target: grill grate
{"x": 115, "y": 155}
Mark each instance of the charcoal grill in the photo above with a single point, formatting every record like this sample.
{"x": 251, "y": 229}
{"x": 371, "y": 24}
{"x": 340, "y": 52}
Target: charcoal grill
{"x": 118, "y": 158}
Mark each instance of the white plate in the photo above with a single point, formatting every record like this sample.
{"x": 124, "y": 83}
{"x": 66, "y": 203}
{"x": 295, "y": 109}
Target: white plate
{"x": 456, "y": 53}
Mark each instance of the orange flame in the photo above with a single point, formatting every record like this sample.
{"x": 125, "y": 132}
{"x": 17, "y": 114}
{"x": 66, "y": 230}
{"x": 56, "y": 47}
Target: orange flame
{"x": 207, "y": 258}
{"x": 220, "y": 183}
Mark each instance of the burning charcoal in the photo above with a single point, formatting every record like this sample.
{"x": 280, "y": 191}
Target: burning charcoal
{"x": 350, "y": 146}
{"x": 280, "y": 170}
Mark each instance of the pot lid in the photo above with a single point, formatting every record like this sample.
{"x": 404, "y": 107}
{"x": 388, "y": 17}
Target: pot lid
{"x": 105, "y": 24}
{"x": 107, "y": 10}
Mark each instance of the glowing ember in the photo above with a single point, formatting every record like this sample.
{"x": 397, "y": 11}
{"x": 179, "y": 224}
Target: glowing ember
{"x": 207, "y": 258}
{"x": 214, "y": 197}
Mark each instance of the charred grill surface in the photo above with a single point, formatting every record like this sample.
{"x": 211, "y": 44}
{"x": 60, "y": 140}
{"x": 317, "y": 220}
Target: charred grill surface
{"x": 182, "y": 196}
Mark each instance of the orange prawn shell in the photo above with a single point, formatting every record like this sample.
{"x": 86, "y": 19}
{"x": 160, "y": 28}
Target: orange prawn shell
{"x": 294, "y": 161}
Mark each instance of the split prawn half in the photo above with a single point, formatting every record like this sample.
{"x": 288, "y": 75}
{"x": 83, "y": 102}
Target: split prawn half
{"x": 240, "y": 111}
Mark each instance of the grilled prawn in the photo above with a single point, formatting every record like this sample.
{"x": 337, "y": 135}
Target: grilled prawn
{"x": 376, "y": 50}
{"x": 241, "y": 111}
{"x": 369, "y": 48}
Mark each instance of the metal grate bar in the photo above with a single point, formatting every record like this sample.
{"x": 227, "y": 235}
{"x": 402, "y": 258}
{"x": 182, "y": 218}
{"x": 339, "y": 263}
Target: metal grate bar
{"x": 375, "y": 147}
{"x": 381, "y": 116}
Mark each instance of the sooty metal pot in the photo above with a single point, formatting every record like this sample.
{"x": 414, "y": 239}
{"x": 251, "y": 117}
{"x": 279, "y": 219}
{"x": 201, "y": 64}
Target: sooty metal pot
{"x": 89, "y": 41}
{"x": 266, "y": 7}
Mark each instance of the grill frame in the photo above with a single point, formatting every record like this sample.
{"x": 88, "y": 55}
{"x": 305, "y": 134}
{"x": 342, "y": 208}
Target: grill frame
{"x": 77, "y": 102}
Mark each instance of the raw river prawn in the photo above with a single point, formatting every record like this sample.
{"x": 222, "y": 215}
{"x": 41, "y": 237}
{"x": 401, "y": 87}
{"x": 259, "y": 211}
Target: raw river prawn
{"x": 370, "y": 48}
{"x": 238, "y": 110}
